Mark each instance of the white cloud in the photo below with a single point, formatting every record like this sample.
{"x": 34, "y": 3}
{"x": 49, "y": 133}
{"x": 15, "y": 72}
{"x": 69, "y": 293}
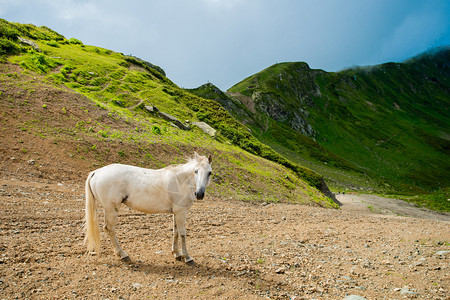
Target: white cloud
{"x": 224, "y": 4}
{"x": 68, "y": 10}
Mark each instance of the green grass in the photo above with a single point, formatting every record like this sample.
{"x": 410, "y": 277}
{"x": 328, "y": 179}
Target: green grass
{"x": 439, "y": 200}
{"x": 382, "y": 128}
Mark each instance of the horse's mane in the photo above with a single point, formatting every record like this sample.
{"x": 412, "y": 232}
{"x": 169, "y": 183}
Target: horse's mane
{"x": 190, "y": 161}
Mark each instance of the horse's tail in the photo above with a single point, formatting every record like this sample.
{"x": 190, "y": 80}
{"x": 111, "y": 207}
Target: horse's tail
{"x": 92, "y": 231}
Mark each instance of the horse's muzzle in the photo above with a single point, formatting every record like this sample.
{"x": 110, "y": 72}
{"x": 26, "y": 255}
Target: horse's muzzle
{"x": 200, "y": 195}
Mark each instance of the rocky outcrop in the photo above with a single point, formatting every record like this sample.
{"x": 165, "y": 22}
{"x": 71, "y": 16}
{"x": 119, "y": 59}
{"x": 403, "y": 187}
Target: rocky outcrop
{"x": 177, "y": 123}
{"x": 143, "y": 63}
{"x": 278, "y": 110}
{"x": 206, "y": 128}
{"x": 29, "y": 43}
{"x": 173, "y": 120}
{"x": 326, "y": 191}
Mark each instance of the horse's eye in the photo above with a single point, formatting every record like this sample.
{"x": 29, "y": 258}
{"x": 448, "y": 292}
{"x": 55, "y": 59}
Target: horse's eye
{"x": 209, "y": 173}
{"x": 196, "y": 171}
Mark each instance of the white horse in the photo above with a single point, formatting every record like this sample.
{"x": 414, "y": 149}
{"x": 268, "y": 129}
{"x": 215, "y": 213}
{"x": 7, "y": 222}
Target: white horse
{"x": 169, "y": 190}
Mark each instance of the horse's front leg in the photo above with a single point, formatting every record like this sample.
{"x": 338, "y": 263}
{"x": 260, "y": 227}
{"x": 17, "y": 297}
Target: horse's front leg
{"x": 180, "y": 219}
{"x": 175, "y": 250}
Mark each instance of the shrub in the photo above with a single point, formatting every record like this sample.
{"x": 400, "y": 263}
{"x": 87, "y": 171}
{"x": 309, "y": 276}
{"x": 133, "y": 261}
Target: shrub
{"x": 103, "y": 133}
{"x": 38, "y": 62}
{"x": 8, "y": 47}
{"x": 66, "y": 70}
{"x": 75, "y": 41}
{"x": 53, "y": 44}
{"x": 156, "y": 129}
{"x": 8, "y": 32}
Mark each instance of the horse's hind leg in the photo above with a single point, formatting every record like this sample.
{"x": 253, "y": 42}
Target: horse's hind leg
{"x": 110, "y": 228}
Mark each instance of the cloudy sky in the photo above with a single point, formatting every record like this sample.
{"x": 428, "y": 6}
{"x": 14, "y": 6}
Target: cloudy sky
{"x": 224, "y": 41}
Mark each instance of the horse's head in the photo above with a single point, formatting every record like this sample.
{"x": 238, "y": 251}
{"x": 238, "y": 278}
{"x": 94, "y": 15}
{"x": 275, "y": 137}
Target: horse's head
{"x": 202, "y": 175}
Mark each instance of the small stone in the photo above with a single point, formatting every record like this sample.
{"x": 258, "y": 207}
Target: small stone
{"x": 354, "y": 297}
{"x": 136, "y": 286}
{"x": 443, "y": 252}
{"x": 406, "y": 291}
{"x": 31, "y": 162}
{"x": 280, "y": 270}
{"x": 419, "y": 262}
{"x": 346, "y": 277}
{"x": 151, "y": 108}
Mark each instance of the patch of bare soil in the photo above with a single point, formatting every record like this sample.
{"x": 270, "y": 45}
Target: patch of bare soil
{"x": 242, "y": 250}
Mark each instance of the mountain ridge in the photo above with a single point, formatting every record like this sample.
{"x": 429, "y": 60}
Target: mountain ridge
{"x": 378, "y": 110}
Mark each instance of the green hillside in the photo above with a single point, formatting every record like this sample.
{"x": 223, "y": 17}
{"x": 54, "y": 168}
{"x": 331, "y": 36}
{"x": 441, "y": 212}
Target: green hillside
{"x": 384, "y": 127}
{"x": 123, "y": 86}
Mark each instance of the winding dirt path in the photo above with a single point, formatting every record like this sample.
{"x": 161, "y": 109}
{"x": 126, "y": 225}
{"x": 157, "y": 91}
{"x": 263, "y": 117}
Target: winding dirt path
{"x": 136, "y": 105}
{"x": 366, "y": 204}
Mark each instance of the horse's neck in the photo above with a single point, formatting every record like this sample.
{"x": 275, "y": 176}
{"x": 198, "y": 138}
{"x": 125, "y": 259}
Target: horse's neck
{"x": 185, "y": 174}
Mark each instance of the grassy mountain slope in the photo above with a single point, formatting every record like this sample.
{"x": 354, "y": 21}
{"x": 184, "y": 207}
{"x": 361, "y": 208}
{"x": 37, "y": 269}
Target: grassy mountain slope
{"x": 61, "y": 94}
{"x": 389, "y": 122}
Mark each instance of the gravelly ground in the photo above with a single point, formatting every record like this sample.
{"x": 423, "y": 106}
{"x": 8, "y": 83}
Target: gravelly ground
{"x": 242, "y": 250}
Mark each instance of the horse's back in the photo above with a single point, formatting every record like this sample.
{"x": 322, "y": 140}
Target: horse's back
{"x": 119, "y": 168}
{"x": 120, "y": 172}
{"x": 113, "y": 180}
{"x": 140, "y": 188}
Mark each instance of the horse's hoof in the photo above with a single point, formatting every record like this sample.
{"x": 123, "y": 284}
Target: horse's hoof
{"x": 126, "y": 259}
{"x": 190, "y": 263}
{"x": 179, "y": 258}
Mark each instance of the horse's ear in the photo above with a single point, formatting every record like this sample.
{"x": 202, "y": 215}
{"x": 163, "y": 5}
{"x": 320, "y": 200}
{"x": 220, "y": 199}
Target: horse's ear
{"x": 210, "y": 159}
{"x": 196, "y": 155}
